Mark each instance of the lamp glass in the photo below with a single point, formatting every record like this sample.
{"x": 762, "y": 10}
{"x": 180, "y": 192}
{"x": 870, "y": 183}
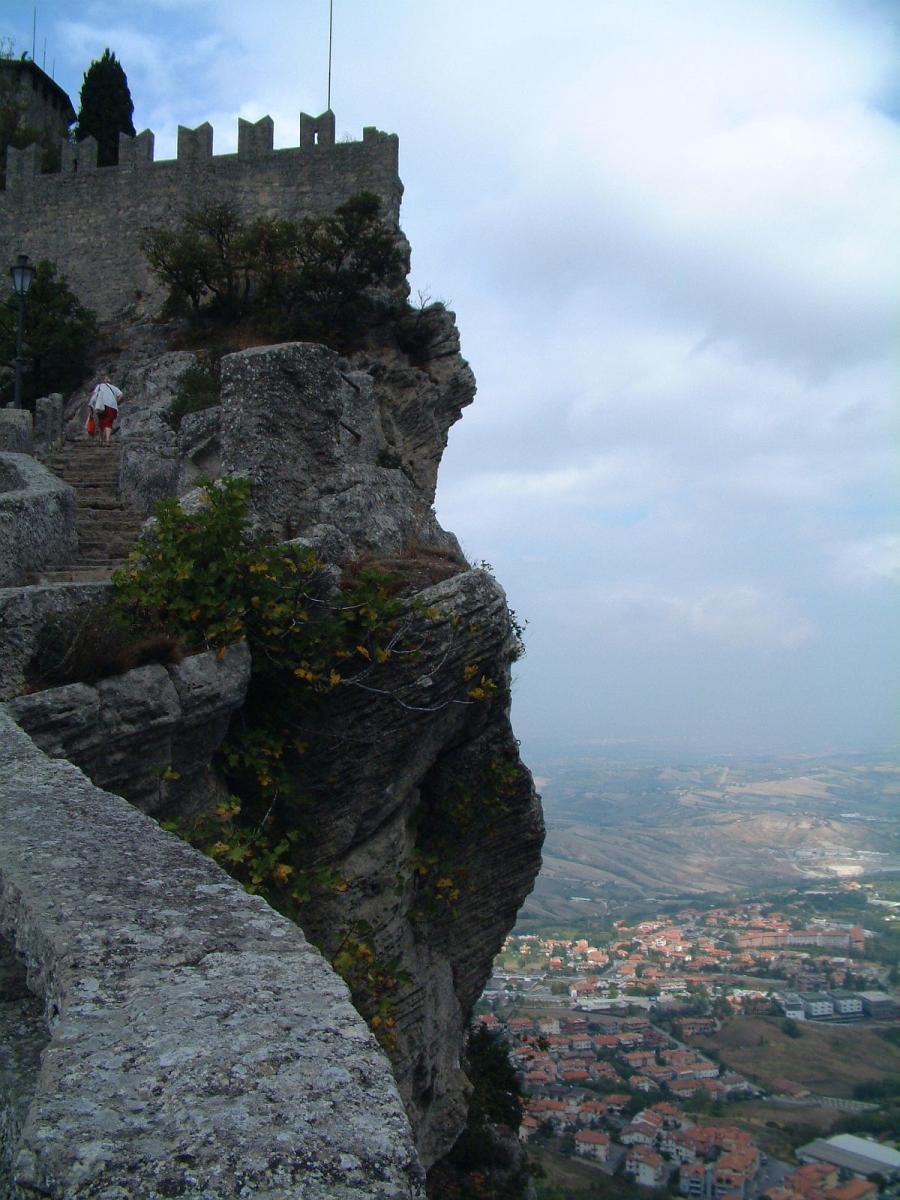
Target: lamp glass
{"x": 22, "y": 274}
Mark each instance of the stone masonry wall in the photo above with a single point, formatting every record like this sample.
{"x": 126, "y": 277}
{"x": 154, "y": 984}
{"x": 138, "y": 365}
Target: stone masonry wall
{"x": 88, "y": 220}
{"x": 196, "y": 1043}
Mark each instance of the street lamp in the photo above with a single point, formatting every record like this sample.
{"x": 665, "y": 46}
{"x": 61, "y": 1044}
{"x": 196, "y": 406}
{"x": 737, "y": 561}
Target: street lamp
{"x": 22, "y": 274}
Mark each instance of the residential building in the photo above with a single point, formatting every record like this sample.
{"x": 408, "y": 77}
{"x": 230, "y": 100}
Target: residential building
{"x": 846, "y": 1004}
{"x": 878, "y": 1004}
{"x": 648, "y": 1168}
{"x": 734, "y": 1170}
{"x": 816, "y": 1005}
{"x": 853, "y": 1189}
{"x": 591, "y": 1143}
{"x": 692, "y": 1179}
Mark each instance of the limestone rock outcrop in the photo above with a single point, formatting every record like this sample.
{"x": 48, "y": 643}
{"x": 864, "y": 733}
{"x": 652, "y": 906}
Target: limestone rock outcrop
{"x": 196, "y": 1044}
{"x": 413, "y": 782}
{"x": 147, "y": 735}
{"x": 339, "y": 471}
{"x": 419, "y": 403}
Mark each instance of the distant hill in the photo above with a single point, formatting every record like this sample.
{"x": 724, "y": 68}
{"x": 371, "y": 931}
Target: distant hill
{"x": 621, "y": 830}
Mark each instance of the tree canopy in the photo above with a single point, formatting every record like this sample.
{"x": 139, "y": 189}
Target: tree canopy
{"x": 59, "y": 335}
{"x": 321, "y": 278}
{"x": 106, "y": 107}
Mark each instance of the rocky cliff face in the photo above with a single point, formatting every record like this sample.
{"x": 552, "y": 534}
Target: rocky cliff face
{"x": 418, "y": 798}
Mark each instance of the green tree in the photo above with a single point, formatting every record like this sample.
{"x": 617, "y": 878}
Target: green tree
{"x": 322, "y": 279}
{"x": 106, "y": 107}
{"x": 480, "y": 1163}
{"x": 339, "y": 260}
{"x": 59, "y": 335}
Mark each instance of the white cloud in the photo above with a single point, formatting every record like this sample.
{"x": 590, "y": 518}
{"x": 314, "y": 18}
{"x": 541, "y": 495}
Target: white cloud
{"x": 739, "y": 616}
{"x": 869, "y": 561}
{"x": 608, "y": 480}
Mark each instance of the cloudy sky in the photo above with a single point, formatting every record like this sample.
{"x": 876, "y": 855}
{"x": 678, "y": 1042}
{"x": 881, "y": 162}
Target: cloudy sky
{"x": 670, "y": 230}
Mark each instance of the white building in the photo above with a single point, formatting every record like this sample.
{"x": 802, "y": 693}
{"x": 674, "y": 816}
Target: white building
{"x": 816, "y": 1005}
{"x": 792, "y": 1006}
{"x": 846, "y": 1004}
{"x": 859, "y": 1155}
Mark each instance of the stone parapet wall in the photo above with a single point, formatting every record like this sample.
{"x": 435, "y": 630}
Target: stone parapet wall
{"x": 89, "y": 220}
{"x": 197, "y": 1044}
{"x": 37, "y": 518}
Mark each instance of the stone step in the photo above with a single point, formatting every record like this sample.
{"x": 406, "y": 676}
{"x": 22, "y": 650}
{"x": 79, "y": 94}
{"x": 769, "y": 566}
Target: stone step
{"x": 85, "y": 445}
{"x": 97, "y": 469}
{"x": 89, "y": 499}
{"x": 88, "y": 469}
{"x": 108, "y": 528}
{"x": 117, "y": 543}
{"x": 79, "y": 574}
{"x": 103, "y": 463}
{"x": 86, "y": 462}
{"x": 117, "y": 513}
{"x": 88, "y": 478}
{"x": 105, "y": 547}
{"x": 76, "y": 475}
{"x": 97, "y": 560}
{"x": 94, "y": 555}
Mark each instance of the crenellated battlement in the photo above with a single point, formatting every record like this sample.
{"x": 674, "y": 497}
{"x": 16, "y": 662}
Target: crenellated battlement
{"x": 89, "y": 219}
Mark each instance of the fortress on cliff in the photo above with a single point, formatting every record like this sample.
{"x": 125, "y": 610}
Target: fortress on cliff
{"x": 88, "y": 220}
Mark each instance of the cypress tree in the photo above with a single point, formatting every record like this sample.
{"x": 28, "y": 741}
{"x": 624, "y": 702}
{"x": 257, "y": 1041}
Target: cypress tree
{"x": 106, "y": 107}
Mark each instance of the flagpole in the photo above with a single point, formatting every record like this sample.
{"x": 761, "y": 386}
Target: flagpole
{"x": 330, "y": 31}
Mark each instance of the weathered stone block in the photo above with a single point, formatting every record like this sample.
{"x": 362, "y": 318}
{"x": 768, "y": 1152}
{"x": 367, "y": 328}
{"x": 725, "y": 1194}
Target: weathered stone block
{"x": 37, "y": 518}
{"x": 16, "y": 430}
{"x": 48, "y": 421}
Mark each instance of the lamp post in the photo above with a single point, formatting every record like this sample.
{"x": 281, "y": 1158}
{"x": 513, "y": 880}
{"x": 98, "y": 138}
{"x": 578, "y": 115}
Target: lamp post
{"x": 22, "y": 274}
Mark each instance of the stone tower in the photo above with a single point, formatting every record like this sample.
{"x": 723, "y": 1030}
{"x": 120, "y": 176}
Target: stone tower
{"x": 48, "y": 109}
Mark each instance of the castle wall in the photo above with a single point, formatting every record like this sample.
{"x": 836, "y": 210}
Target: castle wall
{"x": 89, "y": 220}
{"x": 195, "y": 1043}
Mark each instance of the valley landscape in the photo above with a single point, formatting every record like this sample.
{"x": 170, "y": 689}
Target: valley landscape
{"x": 627, "y": 827}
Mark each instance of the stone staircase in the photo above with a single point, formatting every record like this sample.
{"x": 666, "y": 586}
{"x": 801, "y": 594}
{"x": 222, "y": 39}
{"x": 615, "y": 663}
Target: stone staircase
{"x": 107, "y": 527}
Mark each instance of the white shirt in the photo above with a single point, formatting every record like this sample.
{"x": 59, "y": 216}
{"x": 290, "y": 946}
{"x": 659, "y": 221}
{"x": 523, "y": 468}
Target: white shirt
{"x": 105, "y": 395}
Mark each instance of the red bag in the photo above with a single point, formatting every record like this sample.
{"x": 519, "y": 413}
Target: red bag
{"x": 91, "y": 426}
